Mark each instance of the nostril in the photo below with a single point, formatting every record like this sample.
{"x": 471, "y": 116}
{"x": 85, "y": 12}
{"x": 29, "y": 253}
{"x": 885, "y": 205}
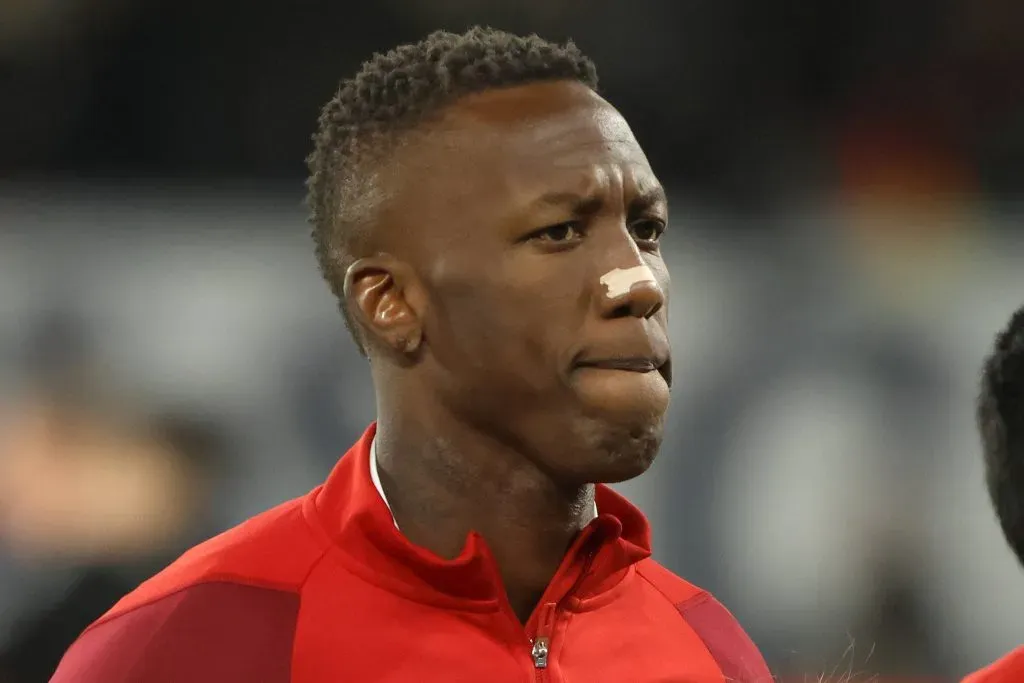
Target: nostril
{"x": 622, "y": 311}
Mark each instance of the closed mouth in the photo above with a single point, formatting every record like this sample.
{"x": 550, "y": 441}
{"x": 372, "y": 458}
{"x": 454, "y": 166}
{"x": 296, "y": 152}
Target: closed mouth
{"x": 626, "y": 364}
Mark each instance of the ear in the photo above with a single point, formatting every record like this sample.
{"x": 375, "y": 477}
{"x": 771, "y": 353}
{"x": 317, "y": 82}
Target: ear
{"x": 381, "y": 293}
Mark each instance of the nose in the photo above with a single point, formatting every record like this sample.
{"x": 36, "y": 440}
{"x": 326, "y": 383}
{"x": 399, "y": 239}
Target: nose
{"x": 631, "y": 292}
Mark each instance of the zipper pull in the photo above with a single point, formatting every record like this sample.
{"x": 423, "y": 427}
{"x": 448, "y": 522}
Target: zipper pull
{"x": 542, "y": 642}
{"x": 540, "y": 652}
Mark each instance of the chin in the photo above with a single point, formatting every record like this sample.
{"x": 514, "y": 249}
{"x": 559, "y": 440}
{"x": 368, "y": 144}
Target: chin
{"x": 609, "y": 454}
{"x": 628, "y": 460}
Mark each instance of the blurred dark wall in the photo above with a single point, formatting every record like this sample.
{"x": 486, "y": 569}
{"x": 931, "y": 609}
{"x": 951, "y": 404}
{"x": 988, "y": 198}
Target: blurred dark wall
{"x": 745, "y": 103}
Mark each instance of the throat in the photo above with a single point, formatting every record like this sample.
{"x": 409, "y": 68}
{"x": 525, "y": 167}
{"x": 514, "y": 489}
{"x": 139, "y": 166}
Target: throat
{"x": 528, "y": 523}
{"x": 525, "y": 604}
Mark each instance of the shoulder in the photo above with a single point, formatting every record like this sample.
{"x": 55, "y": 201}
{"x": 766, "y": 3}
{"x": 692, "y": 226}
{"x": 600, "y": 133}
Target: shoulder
{"x": 225, "y": 610}
{"x": 214, "y": 631}
{"x": 274, "y": 550}
{"x": 736, "y": 654}
{"x": 1009, "y": 668}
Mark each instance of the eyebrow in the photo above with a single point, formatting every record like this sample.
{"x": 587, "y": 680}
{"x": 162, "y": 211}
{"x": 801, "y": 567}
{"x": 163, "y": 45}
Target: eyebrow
{"x": 651, "y": 196}
{"x": 585, "y": 204}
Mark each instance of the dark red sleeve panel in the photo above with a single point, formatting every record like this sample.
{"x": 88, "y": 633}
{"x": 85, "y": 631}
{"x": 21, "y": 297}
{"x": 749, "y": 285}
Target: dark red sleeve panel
{"x": 210, "y": 632}
{"x": 733, "y": 650}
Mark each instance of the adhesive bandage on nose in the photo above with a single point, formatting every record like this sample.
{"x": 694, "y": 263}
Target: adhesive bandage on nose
{"x": 619, "y": 281}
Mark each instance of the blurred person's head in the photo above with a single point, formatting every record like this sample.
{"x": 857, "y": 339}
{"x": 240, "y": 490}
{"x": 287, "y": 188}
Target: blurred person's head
{"x": 490, "y": 226}
{"x": 87, "y": 471}
{"x": 1001, "y": 423}
{"x": 86, "y": 486}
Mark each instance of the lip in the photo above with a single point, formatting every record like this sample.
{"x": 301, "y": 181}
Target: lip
{"x": 640, "y": 360}
{"x": 641, "y": 365}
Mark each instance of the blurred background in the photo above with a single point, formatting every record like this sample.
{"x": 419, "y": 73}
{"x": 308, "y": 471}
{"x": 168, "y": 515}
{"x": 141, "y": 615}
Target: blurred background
{"x": 846, "y": 183}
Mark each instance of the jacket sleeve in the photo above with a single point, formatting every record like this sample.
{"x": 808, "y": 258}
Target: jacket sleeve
{"x": 1008, "y": 669}
{"x": 213, "y": 632}
{"x": 733, "y": 650}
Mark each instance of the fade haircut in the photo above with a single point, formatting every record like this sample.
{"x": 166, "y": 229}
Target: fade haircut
{"x": 393, "y": 93}
{"x": 1001, "y": 423}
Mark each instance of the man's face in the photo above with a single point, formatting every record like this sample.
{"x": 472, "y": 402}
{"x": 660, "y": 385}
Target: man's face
{"x": 532, "y": 219}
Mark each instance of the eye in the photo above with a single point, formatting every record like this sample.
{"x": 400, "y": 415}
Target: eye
{"x": 569, "y": 231}
{"x": 647, "y": 230}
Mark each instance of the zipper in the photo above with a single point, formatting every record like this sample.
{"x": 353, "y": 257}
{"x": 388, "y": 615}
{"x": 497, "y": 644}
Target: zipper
{"x": 542, "y": 641}
{"x": 540, "y": 652}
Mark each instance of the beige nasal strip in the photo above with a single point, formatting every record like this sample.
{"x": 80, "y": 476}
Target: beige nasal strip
{"x": 619, "y": 281}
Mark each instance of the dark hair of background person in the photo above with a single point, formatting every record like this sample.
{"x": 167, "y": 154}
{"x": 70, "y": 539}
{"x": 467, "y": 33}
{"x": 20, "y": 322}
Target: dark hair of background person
{"x": 1001, "y": 424}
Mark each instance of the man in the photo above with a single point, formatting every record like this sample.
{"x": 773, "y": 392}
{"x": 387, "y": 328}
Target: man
{"x": 491, "y": 228}
{"x": 1001, "y": 423}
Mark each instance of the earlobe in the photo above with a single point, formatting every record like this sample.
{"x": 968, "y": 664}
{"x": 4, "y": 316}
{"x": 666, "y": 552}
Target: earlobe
{"x": 377, "y": 295}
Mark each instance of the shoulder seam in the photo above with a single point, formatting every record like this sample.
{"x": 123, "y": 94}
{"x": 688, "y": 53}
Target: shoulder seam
{"x": 693, "y": 601}
{"x": 700, "y": 596}
{"x": 238, "y": 581}
{"x": 312, "y": 567}
{"x": 300, "y": 586}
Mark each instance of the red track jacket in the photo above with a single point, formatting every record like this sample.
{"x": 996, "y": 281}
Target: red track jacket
{"x": 325, "y": 589}
{"x": 1009, "y": 669}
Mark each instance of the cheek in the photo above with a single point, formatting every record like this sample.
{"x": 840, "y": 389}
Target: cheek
{"x": 497, "y": 331}
{"x": 661, "y": 274}
{"x": 516, "y": 313}
{"x": 664, "y": 280}
{"x": 485, "y": 325}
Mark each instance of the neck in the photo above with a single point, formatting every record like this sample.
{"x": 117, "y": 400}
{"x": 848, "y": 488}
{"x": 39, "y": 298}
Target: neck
{"x": 444, "y": 479}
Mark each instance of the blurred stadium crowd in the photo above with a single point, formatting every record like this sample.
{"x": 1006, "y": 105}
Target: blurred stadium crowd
{"x": 846, "y": 183}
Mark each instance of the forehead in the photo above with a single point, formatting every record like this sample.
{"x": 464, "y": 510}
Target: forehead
{"x": 561, "y": 122}
{"x": 504, "y": 145}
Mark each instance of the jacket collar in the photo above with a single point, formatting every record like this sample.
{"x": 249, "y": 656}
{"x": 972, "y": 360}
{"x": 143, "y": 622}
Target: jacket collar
{"x": 375, "y": 478}
{"x": 351, "y": 508}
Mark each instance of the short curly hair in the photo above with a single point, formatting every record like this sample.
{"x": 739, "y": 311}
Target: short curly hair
{"x": 393, "y": 93}
{"x": 1000, "y": 417}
